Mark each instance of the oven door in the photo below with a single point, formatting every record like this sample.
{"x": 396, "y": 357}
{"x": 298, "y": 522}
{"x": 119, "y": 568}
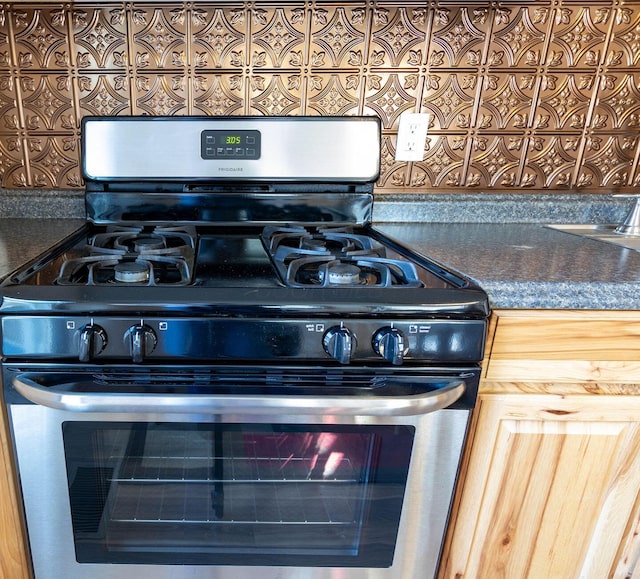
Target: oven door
{"x": 224, "y": 477}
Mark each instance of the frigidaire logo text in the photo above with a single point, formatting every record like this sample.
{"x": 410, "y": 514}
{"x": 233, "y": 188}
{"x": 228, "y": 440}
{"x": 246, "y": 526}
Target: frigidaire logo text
{"x": 231, "y": 169}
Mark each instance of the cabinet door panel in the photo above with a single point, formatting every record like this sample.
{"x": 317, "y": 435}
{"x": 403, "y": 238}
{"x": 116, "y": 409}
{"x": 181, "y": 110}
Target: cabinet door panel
{"x": 554, "y": 496}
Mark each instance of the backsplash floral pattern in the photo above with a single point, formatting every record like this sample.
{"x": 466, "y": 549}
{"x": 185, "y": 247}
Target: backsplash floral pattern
{"x": 538, "y": 95}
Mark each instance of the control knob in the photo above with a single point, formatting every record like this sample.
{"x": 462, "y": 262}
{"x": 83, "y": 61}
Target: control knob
{"x": 142, "y": 341}
{"x": 339, "y": 343}
{"x": 93, "y": 339}
{"x": 389, "y": 343}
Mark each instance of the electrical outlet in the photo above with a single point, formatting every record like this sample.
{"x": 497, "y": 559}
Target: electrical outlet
{"x": 412, "y": 136}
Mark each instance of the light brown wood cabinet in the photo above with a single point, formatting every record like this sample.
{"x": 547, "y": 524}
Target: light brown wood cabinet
{"x": 550, "y": 483}
{"x": 14, "y": 561}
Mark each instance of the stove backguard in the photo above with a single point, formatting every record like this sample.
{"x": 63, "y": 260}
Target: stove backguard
{"x": 159, "y": 170}
{"x": 219, "y": 149}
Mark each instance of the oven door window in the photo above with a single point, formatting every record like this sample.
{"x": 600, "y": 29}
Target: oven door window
{"x": 191, "y": 494}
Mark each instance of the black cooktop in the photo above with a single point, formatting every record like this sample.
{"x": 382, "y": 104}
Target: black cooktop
{"x": 240, "y": 269}
{"x": 228, "y": 257}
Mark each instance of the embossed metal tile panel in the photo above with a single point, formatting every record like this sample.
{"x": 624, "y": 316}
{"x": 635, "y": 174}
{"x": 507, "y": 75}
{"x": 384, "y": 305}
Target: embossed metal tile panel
{"x": 523, "y": 95}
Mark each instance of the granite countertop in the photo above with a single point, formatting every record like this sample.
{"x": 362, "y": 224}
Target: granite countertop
{"x": 22, "y": 240}
{"x": 529, "y": 265}
{"x": 500, "y": 242}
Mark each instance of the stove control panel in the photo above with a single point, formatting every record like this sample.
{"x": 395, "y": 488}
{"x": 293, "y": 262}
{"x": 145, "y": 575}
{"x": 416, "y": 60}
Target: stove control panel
{"x": 106, "y": 339}
{"x": 230, "y": 144}
{"x": 302, "y": 149}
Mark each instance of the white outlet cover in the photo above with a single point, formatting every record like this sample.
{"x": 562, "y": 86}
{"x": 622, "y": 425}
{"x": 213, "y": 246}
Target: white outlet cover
{"x": 412, "y": 136}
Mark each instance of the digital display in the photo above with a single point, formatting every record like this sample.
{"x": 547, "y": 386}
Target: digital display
{"x": 230, "y": 145}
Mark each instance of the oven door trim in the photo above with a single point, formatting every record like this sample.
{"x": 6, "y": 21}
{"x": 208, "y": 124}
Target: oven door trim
{"x": 426, "y": 401}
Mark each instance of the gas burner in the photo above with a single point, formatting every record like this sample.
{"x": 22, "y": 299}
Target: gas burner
{"x": 99, "y": 270}
{"x": 143, "y": 243}
{"x": 334, "y": 257}
{"x": 313, "y": 244}
{"x": 131, "y": 272}
{"x": 325, "y": 271}
{"x": 340, "y": 274}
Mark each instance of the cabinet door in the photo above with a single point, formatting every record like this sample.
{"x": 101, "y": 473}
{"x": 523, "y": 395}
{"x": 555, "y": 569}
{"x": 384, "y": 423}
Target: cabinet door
{"x": 13, "y": 557}
{"x": 551, "y": 490}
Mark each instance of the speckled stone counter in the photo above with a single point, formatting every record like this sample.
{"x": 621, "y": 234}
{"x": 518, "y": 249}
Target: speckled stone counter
{"x": 498, "y": 241}
{"x": 503, "y": 208}
{"x": 22, "y": 240}
{"x": 41, "y": 204}
{"x": 529, "y": 265}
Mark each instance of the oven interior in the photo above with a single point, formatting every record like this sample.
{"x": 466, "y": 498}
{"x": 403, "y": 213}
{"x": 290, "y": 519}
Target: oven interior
{"x": 167, "y": 492}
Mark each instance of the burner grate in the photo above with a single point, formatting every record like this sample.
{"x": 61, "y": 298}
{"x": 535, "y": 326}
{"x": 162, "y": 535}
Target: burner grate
{"x": 325, "y": 271}
{"x": 133, "y": 256}
{"x": 324, "y": 240}
{"x": 105, "y": 270}
{"x": 140, "y": 240}
{"x": 335, "y": 257}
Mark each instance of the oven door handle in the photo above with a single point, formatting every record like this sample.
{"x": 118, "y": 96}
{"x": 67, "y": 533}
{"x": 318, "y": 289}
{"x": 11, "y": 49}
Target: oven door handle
{"x": 62, "y": 397}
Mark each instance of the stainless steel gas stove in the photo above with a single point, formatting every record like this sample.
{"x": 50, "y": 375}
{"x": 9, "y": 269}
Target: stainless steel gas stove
{"x": 229, "y": 371}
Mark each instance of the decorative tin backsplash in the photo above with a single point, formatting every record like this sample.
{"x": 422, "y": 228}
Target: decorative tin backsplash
{"x": 523, "y": 95}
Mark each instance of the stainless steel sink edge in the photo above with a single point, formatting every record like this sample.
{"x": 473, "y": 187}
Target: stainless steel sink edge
{"x": 600, "y": 232}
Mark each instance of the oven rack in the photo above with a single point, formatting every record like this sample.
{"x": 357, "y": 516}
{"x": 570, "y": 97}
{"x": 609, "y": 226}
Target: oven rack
{"x": 290, "y": 503}
{"x": 212, "y": 479}
{"x": 207, "y": 470}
